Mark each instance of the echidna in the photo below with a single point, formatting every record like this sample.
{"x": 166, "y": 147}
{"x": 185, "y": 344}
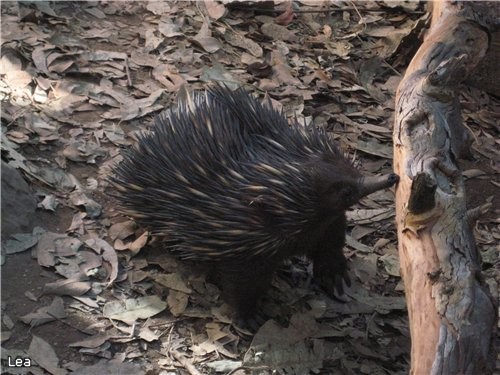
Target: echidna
{"x": 229, "y": 182}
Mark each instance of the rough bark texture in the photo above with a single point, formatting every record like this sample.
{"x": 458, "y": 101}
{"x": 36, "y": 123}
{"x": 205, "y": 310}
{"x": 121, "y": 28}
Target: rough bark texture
{"x": 452, "y": 315}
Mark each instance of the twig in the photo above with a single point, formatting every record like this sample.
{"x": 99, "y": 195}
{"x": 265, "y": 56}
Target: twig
{"x": 127, "y": 71}
{"x": 185, "y": 363}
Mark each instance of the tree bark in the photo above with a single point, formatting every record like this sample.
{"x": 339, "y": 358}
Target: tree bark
{"x": 452, "y": 314}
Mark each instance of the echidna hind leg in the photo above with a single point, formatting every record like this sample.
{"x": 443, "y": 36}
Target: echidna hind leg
{"x": 243, "y": 284}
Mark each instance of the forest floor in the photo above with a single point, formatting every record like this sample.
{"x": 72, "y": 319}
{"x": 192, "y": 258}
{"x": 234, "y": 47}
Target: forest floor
{"x": 85, "y": 291}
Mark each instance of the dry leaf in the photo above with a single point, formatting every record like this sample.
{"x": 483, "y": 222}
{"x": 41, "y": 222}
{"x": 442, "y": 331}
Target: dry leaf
{"x": 391, "y": 264}
{"x": 22, "y": 241}
{"x": 205, "y": 40}
{"x": 177, "y": 302}
{"x": 287, "y": 16}
{"x": 122, "y": 230}
{"x": 132, "y": 309}
{"x": 215, "y": 9}
{"x": 240, "y": 41}
{"x": 110, "y": 367}
{"x": 173, "y": 281}
{"x": 277, "y": 32}
{"x": 46, "y": 314}
{"x": 92, "y": 342}
{"x": 45, "y": 356}
{"x": 109, "y": 256}
{"x": 52, "y": 245}
{"x": 67, "y": 287}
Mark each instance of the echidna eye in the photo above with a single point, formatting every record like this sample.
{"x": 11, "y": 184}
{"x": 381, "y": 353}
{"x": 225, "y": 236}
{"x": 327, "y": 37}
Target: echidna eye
{"x": 347, "y": 192}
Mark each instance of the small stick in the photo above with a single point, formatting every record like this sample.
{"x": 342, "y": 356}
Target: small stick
{"x": 127, "y": 71}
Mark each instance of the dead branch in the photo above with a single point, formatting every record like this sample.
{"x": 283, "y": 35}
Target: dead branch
{"x": 452, "y": 314}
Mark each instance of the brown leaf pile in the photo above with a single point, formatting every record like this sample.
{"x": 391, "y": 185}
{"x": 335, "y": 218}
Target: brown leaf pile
{"x": 79, "y": 79}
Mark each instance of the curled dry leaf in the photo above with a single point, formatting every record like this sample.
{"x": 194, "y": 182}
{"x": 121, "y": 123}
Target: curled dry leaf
{"x": 49, "y": 203}
{"x": 108, "y": 255}
{"x": 77, "y": 225}
{"x": 139, "y": 243}
{"x": 287, "y": 16}
{"x": 168, "y": 76}
{"x": 92, "y": 208}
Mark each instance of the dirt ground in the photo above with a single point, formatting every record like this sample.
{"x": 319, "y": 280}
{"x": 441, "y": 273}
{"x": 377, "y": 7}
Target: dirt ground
{"x": 87, "y": 113}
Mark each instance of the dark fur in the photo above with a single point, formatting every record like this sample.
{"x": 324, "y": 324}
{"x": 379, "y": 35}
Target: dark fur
{"x": 230, "y": 182}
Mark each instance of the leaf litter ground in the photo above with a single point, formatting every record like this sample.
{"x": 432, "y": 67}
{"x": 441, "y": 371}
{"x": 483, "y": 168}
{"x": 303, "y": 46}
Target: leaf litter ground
{"x": 86, "y": 291}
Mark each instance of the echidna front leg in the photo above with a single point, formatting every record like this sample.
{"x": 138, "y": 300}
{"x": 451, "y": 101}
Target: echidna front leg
{"x": 329, "y": 263}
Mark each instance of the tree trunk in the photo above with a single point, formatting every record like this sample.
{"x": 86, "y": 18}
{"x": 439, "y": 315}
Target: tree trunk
{"x": 452, "y": 314}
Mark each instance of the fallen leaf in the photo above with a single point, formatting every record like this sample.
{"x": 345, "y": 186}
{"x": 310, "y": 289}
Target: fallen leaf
{"x": 205, "y": 41}
{"x": 177, "y": 302}
{"x": 168, "y": 28}
{"x": 110, "y": 367}
{"x": 148, "y": 335}
{"x": 224, "y": 366}
{"x": 22, "y": 241}
{"x": 46, "y": 314}
{"x": 49, "y": 203}
{"x": 173, "y": 281}
{"x": 391, "y": 264}
{"x": 91, "y": 342}
{"x": 122, "y": 230}
{"x": 92, "y": 208}
{"x": 215, "y": 9}
{"x": 108, "y": 255}
{"x": 52, "y": 245}
{"x": 67, "y": 288}
{"x": 287, "y": 16}
{"x": 238, "y": 40}
{"x": 132, "y": 309}
{"x": 278, "y": 32}
{"x": 45, "y": 356}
